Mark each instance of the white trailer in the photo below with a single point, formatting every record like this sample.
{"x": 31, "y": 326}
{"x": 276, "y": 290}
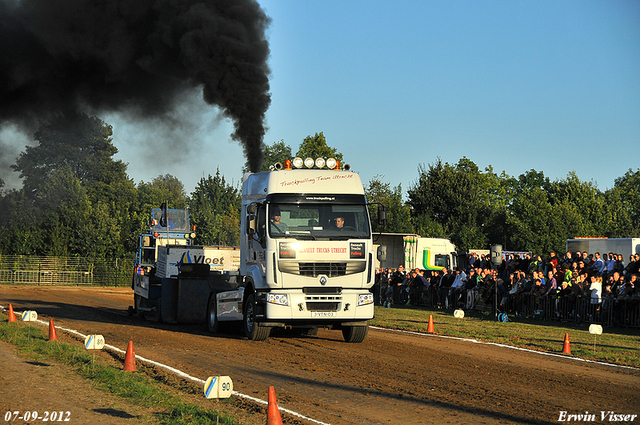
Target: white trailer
{"x": 218, "y": 258}
{"x": 624, "y": 246}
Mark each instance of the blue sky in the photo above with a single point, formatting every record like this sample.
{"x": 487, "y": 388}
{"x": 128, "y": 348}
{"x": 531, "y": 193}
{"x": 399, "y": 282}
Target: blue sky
{"x": 547, "y": 85}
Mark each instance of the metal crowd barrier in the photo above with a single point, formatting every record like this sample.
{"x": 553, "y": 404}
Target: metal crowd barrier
{"x": 609, "y": 312}
{"x": 577, "y": 309}
{"x": 34, "y": 270}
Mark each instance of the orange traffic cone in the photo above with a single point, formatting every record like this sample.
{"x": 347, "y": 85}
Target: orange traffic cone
{"x": 430, "y": 326}
{"x": 53, "y": 336}
{"x": 566, "y": 349}
{"x": 273, "y": 414}
{"x": 12, "y": 316}
{"x": 130, "y": 359}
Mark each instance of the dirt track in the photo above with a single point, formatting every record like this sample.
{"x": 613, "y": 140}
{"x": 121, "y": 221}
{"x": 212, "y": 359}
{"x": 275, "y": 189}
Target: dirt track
{"x": 391, "y": 378}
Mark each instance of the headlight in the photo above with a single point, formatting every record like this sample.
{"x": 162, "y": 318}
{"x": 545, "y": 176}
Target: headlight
{"x": 320, "y": 162}
{"x": 280, "y": 299}
{"x": 364, "y": 299}
{"x": 298, "y": 162}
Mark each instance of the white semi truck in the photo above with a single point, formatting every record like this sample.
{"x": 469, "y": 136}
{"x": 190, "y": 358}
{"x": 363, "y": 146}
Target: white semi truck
{"x": 306, "y": 259}
{"x": 414, "y": 251}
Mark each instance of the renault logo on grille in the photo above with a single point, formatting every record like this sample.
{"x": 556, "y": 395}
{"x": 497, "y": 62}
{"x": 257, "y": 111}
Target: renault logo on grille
{"x": 323, "y": 280}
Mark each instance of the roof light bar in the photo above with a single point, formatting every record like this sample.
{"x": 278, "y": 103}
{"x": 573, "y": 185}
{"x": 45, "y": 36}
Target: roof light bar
{"x": 298, "y": 162}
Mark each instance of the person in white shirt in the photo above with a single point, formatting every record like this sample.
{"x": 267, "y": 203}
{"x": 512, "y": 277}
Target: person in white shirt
{"x": 457, "y": 286}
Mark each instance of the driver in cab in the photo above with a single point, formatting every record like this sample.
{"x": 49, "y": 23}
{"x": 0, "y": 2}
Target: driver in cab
{"x": 339, "y": 222}
{"x": 276, "y": 225}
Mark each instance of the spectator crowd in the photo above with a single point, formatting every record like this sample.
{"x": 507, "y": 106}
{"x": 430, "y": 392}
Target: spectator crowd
{"x": 574, "y": 286}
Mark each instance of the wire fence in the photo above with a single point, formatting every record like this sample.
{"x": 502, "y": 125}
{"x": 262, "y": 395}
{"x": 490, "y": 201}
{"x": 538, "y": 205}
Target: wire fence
{"x": 51, "y": 271}
{"x": 622, "y": 312}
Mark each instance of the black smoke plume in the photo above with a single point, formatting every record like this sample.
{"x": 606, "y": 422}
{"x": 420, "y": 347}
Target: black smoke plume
{"x": 136, "y": 57}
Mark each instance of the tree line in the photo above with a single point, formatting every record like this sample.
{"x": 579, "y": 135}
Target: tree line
{"x": 76, "y": 200}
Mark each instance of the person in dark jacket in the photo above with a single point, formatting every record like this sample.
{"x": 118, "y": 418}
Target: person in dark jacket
{"x": 396, "y": 282}
{"x": 443, "y": 287}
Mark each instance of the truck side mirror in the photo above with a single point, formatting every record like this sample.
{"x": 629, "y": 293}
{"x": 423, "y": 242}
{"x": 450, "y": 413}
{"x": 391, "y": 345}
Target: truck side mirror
{"x": 382, "y": 253}
{"x": 382, "y": 215}
{"x": 252, "y": 226}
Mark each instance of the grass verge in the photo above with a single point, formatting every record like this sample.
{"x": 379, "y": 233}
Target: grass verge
{"x": 137, "y": 388}
{"x": 615, "y": 345}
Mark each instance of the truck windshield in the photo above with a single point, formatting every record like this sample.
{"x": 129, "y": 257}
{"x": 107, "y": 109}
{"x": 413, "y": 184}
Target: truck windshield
{"x": 177, "y": 220}
{"x": 313, "y": 221}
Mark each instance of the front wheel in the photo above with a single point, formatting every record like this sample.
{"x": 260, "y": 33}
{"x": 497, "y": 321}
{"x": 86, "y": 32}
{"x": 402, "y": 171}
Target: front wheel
{"x": 355, "y": 333}
{"x": 252, "y": 329}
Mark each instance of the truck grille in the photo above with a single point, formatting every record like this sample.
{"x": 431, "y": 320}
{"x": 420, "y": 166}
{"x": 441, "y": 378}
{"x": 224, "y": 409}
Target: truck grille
{"x": 322, "y": 290}
{"x": 329, "y": 269}
{"x": 317, "y": 269}
{"x": 323, "y": 306}
{"x": 327, "y": 301}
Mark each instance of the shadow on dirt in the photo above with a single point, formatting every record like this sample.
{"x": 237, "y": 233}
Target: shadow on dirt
{"x": 435, "y": 399}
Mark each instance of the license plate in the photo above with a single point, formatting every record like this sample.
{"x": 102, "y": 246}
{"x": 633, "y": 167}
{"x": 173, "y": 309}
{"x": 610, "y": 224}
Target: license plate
{"x": 323, "y": 314}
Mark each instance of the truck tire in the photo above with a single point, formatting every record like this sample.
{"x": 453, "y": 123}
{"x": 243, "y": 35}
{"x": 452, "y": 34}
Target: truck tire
{"x": 212, "y": 314}
{"x": 355, "y": 333}
{"x": 252, "y": 330}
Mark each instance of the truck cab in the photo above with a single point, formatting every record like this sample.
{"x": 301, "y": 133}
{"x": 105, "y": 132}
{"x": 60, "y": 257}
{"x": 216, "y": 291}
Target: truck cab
{"x": 306, "y": 252}
{"x": 429, "y": 253}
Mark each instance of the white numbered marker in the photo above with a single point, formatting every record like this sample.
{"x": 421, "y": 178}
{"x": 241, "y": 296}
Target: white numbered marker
{"x": 29, "y": 316}
{"x": 94, "y": 342}
{"x": 218, "y": 387}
